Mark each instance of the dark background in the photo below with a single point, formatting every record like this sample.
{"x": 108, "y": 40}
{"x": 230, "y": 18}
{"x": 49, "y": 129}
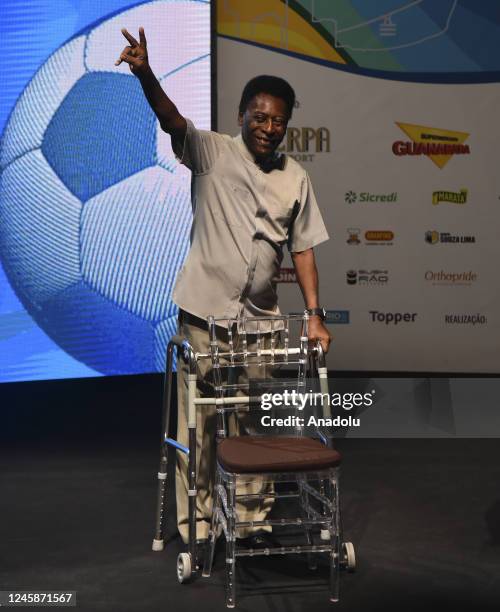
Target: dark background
{"x": 78, "y": 494}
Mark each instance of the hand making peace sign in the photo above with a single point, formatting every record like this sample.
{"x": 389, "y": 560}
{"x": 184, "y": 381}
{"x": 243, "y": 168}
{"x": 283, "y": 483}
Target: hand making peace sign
{"x": 136, "y": 54}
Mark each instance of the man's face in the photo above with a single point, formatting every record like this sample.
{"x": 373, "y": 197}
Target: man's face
{"x": 263, "y": 124}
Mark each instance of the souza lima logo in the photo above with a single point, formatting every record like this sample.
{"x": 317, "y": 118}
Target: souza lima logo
{"x": 433, "y": 237}
{"x": 439, "y": 145}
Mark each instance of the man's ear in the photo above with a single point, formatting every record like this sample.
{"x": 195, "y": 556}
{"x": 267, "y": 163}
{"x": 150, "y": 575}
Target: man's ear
{"x": 240, "y": 119}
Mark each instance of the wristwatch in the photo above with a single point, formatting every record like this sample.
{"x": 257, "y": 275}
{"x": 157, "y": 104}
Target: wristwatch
{"x": 320, "y": 312}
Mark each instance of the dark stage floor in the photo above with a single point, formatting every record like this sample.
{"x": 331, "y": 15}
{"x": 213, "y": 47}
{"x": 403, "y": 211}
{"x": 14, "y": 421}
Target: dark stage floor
{"x": 424, "y": 516}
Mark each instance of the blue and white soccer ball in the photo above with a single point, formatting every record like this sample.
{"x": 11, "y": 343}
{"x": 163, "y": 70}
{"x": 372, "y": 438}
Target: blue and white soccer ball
{"x": 94, "y": 209}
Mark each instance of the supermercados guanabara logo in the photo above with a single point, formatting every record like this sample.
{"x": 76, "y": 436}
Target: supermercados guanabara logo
{"x": 437, "y": 144}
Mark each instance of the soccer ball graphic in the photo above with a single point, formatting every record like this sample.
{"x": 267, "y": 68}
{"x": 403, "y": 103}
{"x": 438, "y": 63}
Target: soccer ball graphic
{"x": 94, "y": 209}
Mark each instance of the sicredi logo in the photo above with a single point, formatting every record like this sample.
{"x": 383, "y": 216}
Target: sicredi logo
{"x": 450, "y": 278}
{"x": 366, "y": 197}
{"x": 453, "y": 197}
{"x": 392, "y": 317}
{"x": 434, "y": 237}
{"x": 367, "y": 277}
{"x": 437, "y": 144}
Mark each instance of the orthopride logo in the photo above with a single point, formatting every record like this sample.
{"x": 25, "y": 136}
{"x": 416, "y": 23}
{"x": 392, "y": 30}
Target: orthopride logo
{"x": 451, "y": 278}
{"x": 439, "y": 145}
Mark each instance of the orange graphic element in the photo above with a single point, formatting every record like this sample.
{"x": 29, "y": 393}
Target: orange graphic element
{"x": 379, "y": 235}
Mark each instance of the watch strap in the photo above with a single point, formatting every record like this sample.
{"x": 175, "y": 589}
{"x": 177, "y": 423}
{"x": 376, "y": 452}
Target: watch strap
{"x": 320, "y": 312}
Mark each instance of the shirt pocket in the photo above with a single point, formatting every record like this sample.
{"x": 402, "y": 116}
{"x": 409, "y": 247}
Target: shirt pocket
{"x": 234, "y": 204}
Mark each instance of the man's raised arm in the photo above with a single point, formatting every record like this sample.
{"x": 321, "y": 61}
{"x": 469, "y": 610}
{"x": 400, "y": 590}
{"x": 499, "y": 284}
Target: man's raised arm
{"x": 136, "y": 56}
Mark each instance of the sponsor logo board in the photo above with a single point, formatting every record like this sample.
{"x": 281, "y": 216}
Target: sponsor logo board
{"x": 441, "y": 277}
{"x": 353, "y": 235}
{"x": 453, "y": 197}
{"x": 435, "y": 237}
{"x": 367, "y": 197}
{"x": 382, "y": 237}
{"x": 338, "y": 317}
{"x": 334, "y": 317}
{"x": 392, "y": 318}
{"x": 371, "y": 237}
{"x": 303, "y": 143}
{"x": 437, "y": 144}
{"x": 367, "y": 277}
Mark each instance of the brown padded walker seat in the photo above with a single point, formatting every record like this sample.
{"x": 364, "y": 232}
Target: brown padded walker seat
{"x": 246, "y": 454}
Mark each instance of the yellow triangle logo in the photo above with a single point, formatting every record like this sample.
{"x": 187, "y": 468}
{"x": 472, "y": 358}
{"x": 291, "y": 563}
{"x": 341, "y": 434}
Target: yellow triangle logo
{"x": 440, "y": 145}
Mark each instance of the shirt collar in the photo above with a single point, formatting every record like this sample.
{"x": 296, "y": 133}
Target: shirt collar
{"x": 276, "y": 163}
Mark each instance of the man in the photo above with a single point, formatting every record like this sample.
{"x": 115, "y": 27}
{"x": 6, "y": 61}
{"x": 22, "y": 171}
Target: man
{"x": 248, "y": 201}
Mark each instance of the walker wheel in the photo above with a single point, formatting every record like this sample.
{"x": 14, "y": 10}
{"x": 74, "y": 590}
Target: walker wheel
{"x": 349, "y": 556}
{"x": 183, "y": 567}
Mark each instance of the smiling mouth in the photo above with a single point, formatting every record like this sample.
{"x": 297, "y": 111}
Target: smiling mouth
{"x": 263, "y": 142}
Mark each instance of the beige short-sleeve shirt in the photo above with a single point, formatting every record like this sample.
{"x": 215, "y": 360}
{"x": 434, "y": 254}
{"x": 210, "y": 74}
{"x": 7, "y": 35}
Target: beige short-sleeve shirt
{"x": 242, "y": 217}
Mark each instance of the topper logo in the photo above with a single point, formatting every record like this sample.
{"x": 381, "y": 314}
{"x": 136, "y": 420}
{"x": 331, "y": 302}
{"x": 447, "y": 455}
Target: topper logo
{"x": 393, "y": 317}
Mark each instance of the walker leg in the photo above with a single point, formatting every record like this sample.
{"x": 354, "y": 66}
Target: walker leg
{"x": 212, "y": 534}
{"x": 158, "y": 541}
{"x": 231, "y": 545}
{"x": 335, "y": 541}
{"x": 192, "y": 499}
